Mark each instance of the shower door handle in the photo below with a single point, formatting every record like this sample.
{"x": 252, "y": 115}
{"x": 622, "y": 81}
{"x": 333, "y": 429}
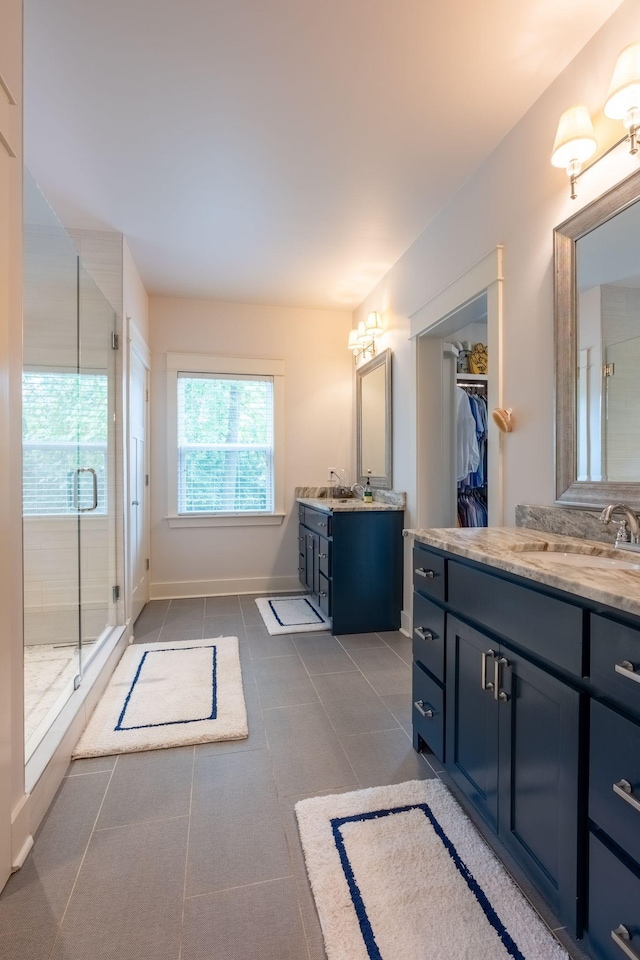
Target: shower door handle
{"x": 94, "y": 477}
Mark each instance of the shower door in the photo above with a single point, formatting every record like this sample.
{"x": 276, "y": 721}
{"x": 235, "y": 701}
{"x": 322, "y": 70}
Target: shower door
{"x": 69, "y": 528}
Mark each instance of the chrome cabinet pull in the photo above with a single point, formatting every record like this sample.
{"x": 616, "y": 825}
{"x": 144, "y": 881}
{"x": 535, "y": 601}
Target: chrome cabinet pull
{"x": 624, "y": 789}
{"x": 498, "y": 664}
{"x": 622, "y": 938}
{"x": 321, "y": 523}
{"x": 427, "y": 574}
{"x": 323, "y": 556}
{"x": 323, "y": 593}
{"x": 424, "y": 709}
{"x": 423, "y": 633}
{"x": 486, "y": 684}
{"x": 627, "y": 669}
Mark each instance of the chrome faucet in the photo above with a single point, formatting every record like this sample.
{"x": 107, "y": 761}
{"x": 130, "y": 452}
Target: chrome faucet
{"x": 360, "y": 488}
{"x": 629, "y": 529}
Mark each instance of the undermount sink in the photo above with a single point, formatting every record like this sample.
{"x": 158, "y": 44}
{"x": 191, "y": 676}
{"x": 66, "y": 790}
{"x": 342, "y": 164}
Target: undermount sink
{"x": 581, "y": 559}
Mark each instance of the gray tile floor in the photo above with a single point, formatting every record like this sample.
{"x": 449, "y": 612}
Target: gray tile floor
{"x": 193, "y": 853}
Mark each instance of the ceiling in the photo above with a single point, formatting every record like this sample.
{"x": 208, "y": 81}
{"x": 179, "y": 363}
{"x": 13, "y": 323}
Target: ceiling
{"x": 278, "y": 151}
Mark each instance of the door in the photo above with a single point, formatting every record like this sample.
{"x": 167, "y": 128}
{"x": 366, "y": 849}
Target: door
{"x": 472, "y": 716}
{"x": 538, "y": 794}
{"x": 138, "y": 529}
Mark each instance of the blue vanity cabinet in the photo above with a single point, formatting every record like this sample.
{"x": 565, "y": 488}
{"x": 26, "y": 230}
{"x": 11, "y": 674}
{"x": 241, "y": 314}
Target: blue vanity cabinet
{"x": 351, "y": 564}
{"x": 613, "y": 916}
{"x": 513, "y": 723}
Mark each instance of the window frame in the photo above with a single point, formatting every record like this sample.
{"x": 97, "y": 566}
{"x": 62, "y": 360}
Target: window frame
{"x": 194, "y": 364}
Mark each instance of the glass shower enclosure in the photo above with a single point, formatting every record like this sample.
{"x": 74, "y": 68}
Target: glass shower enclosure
{"x": 69, "y": 517}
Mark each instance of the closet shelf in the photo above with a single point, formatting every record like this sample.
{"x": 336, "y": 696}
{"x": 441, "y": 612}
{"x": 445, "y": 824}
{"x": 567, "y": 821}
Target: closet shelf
{"x": 480, "y": 377}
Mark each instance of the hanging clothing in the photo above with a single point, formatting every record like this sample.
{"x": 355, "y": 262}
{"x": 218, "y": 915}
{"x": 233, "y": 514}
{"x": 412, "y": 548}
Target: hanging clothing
{"x": 472, "y": 487}
{"x": 467, "y": 453}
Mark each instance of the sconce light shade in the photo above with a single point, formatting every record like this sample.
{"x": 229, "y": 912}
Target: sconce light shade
{"x": 374, "y": 325}
{"x": 362, "y": 332}
{"x": 353, "y": 340}
{"x": 575, "y": 141}
{"x": 623, "y": 99}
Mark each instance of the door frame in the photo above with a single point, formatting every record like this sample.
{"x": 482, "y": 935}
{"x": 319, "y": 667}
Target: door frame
{"x": 137, "y": 345}
{"x": 428, "y": 328}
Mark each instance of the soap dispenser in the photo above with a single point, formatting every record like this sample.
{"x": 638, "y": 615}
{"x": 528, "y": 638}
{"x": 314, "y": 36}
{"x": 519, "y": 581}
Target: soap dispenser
{"x": 368, "y": 492}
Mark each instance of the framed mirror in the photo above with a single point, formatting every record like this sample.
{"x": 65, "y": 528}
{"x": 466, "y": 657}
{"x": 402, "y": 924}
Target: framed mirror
{"x": 597, "y": 339}
{"x": 373, "y": 412}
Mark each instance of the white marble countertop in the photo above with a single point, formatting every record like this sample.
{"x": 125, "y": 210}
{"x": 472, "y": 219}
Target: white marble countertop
{"x": 349, "y": 505}
{"x": 503, "y": 548}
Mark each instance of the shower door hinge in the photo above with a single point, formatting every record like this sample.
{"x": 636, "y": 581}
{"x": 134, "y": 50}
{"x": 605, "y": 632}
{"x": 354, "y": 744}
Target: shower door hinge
{"x": 147, "y": 563}
{"x": 116, "y": 594}
{"x": 146, "y": 395}
{"x": 146, "y": 479}
{"x": 115, "y": 341}
{"x": 609, "y": 370}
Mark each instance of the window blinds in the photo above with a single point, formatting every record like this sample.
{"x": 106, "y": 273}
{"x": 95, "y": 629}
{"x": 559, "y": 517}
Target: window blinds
{"x": 65, "y": 431}
{"x": 225, "y": 443}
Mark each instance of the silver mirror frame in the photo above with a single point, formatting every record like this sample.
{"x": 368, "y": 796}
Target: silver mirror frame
{"x": 569, "y": 490}
{"x": 383, "y": 482}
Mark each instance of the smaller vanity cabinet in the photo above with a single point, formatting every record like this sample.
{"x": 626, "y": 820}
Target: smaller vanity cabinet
{"x": 351, "y": 563}
{"x": 613, "y": 919}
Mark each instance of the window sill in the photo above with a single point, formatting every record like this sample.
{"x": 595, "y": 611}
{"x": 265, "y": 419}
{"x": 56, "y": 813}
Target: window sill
{"x": 227, "y": 520}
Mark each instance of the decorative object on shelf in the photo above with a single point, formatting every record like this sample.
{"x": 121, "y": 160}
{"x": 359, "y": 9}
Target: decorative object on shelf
{"x": 503, "y": 419}
{"x": 575, "y": 141}
{"x": 478, "y": 359}
{"x": 462, "y": 360}
{"x": 365, "y": 854}
{"x": 362, "y": 340}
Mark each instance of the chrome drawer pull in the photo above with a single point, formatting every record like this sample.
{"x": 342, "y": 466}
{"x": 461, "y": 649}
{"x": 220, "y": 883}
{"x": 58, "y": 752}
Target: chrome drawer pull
{"x": 423, "y": 633}
{"x": 427, "y": 574}
{"x": 624, "y": 789}
{"x": 322, "y": 524}
{"x": 622, "y": 938}
{"x": 423, "y": 708}
{"x": 498, "y": 664}
{"x": 323, "y": 556}
{"x": 323, "y": 593}
{"x": 486, "y": 684}
{"x": 627, "y": 669}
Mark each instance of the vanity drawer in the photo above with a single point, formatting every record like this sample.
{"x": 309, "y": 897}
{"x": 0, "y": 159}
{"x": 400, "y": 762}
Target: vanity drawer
{"x": 428, "y": 636}
{"x": 324, "y": 556}
{"x": 615, "y": 661}
{"x": 549, "y": 628}
{"x": 429, "y": 572}
{"x": 324, "y": 596}
{"x": 318, "y": 521}
{"x": 614, "y": 900}
{"x": 428, "y": 711}
{"x": 615, "y": 757}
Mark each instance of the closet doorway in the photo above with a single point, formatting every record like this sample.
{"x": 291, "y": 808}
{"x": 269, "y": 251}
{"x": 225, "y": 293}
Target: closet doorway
{"x": 459, "y": 478}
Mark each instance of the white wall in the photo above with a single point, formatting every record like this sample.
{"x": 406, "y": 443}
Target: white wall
{"x": 515, "y": 198}
{"x": 318, "y": 434}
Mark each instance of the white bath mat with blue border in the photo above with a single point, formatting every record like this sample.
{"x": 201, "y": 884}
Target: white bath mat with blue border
{"x": 291, "y": 615}
{"x": 169, "y": 695}
{"x": 401, "y": 873}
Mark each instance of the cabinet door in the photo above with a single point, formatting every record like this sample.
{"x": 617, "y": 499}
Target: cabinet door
{"x": 302, "y": 556}
{"x": 538, "y": 801}
{"x": 472, "y": 717}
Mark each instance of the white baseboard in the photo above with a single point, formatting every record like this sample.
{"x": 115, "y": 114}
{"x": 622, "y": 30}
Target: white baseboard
{"x": 183, "y": 589}
{"x": 405, "y": 623}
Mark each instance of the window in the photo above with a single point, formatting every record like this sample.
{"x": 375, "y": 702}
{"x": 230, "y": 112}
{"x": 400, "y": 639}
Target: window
{"x": 225, "y": 443}
{"x": 65, "y": 425}
{"x": 224, "y": 431}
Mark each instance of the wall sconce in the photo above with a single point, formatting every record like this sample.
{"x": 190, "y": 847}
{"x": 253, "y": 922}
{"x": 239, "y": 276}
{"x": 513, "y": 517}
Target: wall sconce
{"x": 575, "y": 141}
{"x": 362, "y": 341}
